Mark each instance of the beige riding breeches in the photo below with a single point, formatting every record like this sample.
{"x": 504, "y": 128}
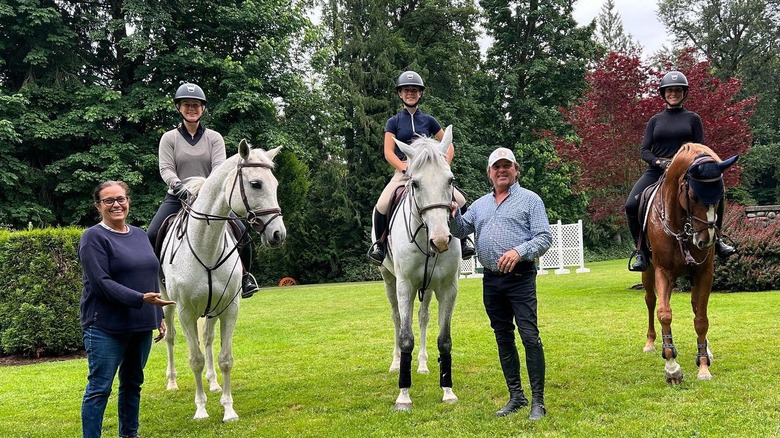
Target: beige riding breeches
{"x": 400, "y": 179}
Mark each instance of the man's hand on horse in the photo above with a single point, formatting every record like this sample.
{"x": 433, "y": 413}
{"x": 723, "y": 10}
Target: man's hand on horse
{"x": 454, "y": 208}
{"x": 154, "y": 298}
{"x": 663, "y": 163}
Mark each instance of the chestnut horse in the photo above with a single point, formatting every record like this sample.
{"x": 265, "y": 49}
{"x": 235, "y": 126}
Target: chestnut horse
{"x": 681, "y": 230}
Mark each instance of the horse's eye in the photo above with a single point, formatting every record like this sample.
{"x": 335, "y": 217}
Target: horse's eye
{"x": 452, "y": 180}
{"x": 415, "y": 184}
{"x": 257, "y": 185}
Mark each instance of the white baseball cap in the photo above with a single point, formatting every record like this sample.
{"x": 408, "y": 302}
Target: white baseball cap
{"x": 501, "y": 154}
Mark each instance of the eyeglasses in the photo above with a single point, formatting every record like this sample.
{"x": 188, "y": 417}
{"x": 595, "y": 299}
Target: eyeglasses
{"x": 122, "y": 200}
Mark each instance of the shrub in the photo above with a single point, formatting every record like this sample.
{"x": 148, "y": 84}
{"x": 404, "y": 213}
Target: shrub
{"x": 40, "y": 287}
{"x": 757, "y": 263}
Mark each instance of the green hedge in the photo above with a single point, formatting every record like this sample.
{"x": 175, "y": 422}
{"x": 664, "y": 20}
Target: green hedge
{"x": 40, "y": 287}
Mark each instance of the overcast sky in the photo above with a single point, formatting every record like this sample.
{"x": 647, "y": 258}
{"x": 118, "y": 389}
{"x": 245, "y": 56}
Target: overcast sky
{"x": 639, "y": 20}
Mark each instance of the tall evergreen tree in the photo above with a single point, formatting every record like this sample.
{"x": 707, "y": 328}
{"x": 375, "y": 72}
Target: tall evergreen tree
{"x": 610, "y": 32}
{"x": 538, "y": 62}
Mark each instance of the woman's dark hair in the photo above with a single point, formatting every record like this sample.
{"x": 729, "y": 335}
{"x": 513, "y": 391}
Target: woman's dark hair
{"x": 104, "y": 184}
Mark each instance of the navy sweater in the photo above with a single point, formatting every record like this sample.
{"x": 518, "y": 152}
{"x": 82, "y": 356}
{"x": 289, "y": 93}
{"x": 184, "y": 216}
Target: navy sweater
{"x": 117, "y": 270}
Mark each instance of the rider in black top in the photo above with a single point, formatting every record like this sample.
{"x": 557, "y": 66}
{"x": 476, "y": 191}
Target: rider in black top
{"x": 666, "y": 132}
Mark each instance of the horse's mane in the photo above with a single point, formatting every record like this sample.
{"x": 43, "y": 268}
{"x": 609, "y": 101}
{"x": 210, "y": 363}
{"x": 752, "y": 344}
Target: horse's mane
{"x": 426, "y": 149}
{"x": 194, "y": 184}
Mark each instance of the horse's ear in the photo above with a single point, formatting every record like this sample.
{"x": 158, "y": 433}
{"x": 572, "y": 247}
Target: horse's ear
{"x": 244, "y": 148}
{"x": 272, "y": 153}
{"x": 725, "y": 164}
{"x": 405, "y": 148}
{"x": 446, "y": 141}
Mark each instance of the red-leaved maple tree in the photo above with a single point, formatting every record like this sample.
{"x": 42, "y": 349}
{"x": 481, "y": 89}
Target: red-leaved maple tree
{"x": 610, "y": 123}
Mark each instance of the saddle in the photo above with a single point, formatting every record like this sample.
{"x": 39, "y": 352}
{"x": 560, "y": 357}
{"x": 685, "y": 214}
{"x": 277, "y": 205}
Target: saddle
{"x": 645, "y": 203}
{"x": 395, "y": 201}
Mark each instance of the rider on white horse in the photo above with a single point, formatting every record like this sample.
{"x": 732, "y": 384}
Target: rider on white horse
{"x": 191, "y": 150}
{"x": 407, "y": 125}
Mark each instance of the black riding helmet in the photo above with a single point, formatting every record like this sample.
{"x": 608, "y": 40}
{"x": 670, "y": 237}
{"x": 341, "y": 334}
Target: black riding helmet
{"x": 674, "y": 79}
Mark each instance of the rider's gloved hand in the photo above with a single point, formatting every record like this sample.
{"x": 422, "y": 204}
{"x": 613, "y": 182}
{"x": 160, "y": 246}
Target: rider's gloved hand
{"x": 663, "y": 163}
{"x": 180, "y": 191}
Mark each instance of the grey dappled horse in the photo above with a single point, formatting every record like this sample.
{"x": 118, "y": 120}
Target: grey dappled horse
{"x": 201, "y": 265}
{"x": 422, "y": 259}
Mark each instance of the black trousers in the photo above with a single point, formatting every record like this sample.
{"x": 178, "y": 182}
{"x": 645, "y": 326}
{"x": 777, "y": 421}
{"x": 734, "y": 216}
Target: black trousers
{"x": 510, "y": 299}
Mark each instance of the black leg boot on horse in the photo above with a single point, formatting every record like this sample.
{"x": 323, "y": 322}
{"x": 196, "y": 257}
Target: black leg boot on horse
{"x": 640, "y": 255}
{"x": 378, "y": 250}
{"x": 510, "y": 365}
{"x": 467, "y": 249}
{"x": 722, "y": 249}
{"x": 534, "y": 362}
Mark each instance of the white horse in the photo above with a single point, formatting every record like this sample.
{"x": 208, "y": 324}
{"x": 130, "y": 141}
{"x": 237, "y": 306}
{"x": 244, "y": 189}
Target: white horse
{"x": 422, "y": 259}
{"x": 201, "y": 265}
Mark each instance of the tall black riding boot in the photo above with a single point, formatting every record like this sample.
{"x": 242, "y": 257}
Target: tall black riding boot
{"x": 467, "y": 249}
{"x": 510, "y": 364}
{"x": 248, "y": 283}
{"x": 722, "y": 249}
{"x": 534, "y": 362}
{"x": 640, "y": 258}
{"x": 377, "y": 251}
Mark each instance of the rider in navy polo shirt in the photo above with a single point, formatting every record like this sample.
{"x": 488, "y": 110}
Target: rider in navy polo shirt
{"x": 406, "y": 126}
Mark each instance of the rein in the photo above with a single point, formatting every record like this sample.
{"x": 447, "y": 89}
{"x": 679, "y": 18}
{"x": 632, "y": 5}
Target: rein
{"x": 429, "y": 254}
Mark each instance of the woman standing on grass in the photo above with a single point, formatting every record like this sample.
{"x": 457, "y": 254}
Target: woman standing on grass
{"x": 120, "y": 307}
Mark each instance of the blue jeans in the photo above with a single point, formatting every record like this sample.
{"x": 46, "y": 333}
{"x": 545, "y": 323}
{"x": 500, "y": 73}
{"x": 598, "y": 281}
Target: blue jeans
{"x": 107, "y": 353}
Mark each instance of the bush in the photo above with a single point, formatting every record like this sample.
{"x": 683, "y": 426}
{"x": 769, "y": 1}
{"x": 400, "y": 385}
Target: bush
{"x": 756, "y": 266}
{"x": 40, "y": 287}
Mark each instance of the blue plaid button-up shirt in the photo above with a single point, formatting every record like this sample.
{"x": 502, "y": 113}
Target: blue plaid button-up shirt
{"x": 519, "y": 222}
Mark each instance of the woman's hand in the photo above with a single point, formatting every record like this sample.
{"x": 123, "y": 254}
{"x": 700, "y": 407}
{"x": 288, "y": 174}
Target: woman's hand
{"x": 154, "y": 298}
{"x": 162, "y": 330}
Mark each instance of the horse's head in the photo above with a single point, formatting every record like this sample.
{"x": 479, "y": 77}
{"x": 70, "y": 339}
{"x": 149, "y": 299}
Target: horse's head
{"x": 699, "y": 173}
{"x": 430, "y": 185}
{"x": 251, "y": 194}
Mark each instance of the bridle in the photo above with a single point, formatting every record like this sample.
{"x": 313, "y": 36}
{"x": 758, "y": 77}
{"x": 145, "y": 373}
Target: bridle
{"x": 412, "y": 234}
{"x": 685, "y": 236}
{"x": 252, "y": 217}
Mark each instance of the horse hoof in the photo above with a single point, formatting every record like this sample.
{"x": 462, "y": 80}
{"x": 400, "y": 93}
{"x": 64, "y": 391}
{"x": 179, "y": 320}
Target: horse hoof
{"x": 673, "y": 380}
{"x": 200, "y": 416}
{"x": 230, "y": 419}
{"x": 403, "y": 407}
{"x": 422, "y": 370}
{"x": 172, "y": 386}
{"x": 449, "y": 396}
{"x": 214, "y": 387}
{"x": 648, "y": 348}
{"x": 704, "y": 376}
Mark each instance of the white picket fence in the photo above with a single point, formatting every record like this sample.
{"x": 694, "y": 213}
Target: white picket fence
{"x": 566, "y": 251}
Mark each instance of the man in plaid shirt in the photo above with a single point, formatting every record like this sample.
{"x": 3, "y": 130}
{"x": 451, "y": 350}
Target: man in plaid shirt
{"x": 512, "y": 230}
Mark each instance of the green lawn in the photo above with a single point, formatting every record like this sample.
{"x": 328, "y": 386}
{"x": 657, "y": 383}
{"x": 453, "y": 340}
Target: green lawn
{"x": 313, "y": 360}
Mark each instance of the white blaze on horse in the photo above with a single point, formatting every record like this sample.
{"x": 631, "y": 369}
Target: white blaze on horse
{"x": 422, "y": 259}
{"x": 201, "y": 265}
{"x": 681, "y": 230}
